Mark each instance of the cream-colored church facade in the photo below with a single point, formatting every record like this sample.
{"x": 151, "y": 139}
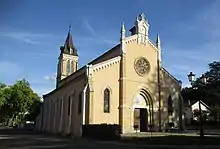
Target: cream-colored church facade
{"x": 127, "y": 85}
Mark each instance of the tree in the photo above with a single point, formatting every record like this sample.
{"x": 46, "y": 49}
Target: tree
{"x": 34, "y": 110}
{"x": 208, "y": 92}
{"x": 2, "y": 97}
{"x": 18, "y": 100}
{"x": 215, "y": 112}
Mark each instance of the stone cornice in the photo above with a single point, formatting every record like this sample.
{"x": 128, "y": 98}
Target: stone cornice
{"x": 130, "y": 39}
{"x": 134, "y": 38}
{"x": 106, "y": 64}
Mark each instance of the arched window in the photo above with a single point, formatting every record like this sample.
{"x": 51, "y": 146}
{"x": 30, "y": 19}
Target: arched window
{"x": 68, "y": 67}
{"x": 72, "y": 67}
{"x": 106, "y": 100}
{"x": 170, "y": 105}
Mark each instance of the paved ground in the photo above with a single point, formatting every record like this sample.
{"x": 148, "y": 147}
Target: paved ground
{"x": 14, "y": 139}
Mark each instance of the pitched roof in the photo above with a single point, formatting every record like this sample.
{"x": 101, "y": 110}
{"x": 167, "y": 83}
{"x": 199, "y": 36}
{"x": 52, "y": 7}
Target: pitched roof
{"x": 201, "y": 103}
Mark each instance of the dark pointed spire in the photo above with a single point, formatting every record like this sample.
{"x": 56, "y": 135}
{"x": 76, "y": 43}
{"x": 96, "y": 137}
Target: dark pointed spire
{"x": 69, "y": 47}
{"x": 70, "y": 27}
{"x": 158, "y": 43}
{"x": 69, "y": 40}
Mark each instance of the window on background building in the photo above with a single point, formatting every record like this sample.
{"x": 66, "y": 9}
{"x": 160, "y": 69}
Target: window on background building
{"x": 106, "y": 100}
{"x": 69, "y": 104}
{"x": 68, "y": 69}
{"x": 170, "y": 105}
{"x": 80, "y": 103}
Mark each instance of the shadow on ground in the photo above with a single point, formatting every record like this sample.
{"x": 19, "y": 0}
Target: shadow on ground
{"x": 173, "y": 140}
{"x": 20, "y": 139}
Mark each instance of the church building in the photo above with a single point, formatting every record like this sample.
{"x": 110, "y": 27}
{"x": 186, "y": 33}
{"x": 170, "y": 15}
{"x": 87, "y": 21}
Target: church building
{"x": 127, "y": 85}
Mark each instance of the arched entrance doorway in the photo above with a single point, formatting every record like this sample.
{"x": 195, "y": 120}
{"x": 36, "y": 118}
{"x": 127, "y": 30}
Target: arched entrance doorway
{"x": 142, "y": 111}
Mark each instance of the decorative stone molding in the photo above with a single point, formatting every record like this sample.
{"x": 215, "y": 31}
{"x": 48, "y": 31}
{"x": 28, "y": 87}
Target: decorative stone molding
{"x": 134, "y": 38}
{"x": 130, "y": 39}
{"x": 106, "y": 64}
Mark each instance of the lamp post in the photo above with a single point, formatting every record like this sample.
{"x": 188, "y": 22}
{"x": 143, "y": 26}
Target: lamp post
{"x": 192, "y": 78}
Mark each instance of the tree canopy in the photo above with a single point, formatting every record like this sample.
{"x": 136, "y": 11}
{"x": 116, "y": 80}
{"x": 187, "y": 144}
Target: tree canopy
{"x": 18, "y": 102}
{"x": 2, "y": 96}
{"x": 208, "y": 92}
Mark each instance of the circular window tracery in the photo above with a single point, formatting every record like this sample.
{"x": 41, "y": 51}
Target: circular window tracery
{"x": 142, "y": 66}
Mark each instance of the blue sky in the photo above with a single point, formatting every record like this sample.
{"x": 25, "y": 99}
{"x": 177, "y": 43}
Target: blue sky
{"x": 31, "y": 33}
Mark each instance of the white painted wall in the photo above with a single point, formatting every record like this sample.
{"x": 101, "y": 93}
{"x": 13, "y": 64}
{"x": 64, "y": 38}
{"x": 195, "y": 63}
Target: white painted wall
{"x": 196, "y": 106}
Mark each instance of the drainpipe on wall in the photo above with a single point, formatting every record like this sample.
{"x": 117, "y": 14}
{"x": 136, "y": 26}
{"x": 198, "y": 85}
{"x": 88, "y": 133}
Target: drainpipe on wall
{"x": 84, "y": 103}
{"x": 84, "y": 94}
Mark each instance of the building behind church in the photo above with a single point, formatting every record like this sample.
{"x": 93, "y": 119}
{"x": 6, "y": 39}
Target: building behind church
{"x": 127, "y": 85}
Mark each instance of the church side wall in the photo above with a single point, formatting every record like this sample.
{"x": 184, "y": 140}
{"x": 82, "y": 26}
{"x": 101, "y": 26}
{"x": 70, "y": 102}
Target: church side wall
{"x": 171, "y": 87}
{"x": 56, "y": 118}
{"x": 106, "y": 77}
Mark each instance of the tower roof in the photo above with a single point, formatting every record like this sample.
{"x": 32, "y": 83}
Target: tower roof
{"x": 69, "y": 47}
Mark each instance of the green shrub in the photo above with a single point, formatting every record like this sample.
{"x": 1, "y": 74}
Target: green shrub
{"x": 102, "y": 131}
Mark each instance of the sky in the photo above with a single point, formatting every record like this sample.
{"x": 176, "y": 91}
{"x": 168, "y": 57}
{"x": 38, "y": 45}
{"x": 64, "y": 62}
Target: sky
{"x": 31, "y": 33}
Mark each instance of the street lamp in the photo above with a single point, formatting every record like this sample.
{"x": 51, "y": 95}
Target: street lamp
{"x": 191, "y": 78}
{"x": 203, "y": 79}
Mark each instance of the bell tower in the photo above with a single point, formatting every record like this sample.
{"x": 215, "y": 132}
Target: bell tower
{"x": 141, "y": 28}
{"x": 68, "y": 59}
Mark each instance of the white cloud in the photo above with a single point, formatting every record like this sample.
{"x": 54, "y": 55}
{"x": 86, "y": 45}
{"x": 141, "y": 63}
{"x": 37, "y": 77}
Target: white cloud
{"x": 89, "y": 28}
{"x": 27, "y": 37}
{"x": 50, "y": 77}
{"x": 186, "y": 85}
{"x": 95, "y": 34}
